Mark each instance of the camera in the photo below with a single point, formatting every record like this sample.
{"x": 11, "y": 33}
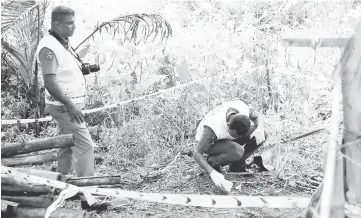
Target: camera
{"x": 87, "y": 68}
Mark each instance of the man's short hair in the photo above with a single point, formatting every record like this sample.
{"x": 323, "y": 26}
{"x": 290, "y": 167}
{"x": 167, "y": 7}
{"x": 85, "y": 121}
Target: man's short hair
{"x": 59, "y": 12}
{"x": 240, "y": 123}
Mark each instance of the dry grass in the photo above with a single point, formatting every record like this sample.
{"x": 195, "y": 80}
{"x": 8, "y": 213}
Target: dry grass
{"x": 152, "y": 140}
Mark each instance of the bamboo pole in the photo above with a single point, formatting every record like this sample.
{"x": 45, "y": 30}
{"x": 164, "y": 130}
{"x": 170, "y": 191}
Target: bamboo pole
{"x": 61, "y": 141}
{"x": 307, "y": 42}
{"x": 351, "y": 88}
{"x": 31, "y": 159}
{"x": 42, "y": 201}
{"x": 330, "y": 167}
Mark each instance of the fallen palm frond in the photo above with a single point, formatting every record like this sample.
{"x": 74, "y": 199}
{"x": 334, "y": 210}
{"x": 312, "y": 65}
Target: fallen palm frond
{"x": 132, "y": 25}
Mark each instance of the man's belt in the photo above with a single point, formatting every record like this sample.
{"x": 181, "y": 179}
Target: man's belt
{"x": 51, "y": 98}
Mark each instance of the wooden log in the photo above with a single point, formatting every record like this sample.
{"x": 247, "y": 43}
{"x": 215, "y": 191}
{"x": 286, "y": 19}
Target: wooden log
{"x": 6, "y": 205}
{"x": 31, "y": 159}
{"x": 42, "y": 201}
{"x": 26, "y": 212}
{"x": 93, "y": 181}
{"x": 61, "y": 141}
{"x": 42, "y": 173}
{"x": 309, "y": 42}
{"x": 21, "y": 178}
{"x": 21, "y": 189}
{"x": 351, "y": 90}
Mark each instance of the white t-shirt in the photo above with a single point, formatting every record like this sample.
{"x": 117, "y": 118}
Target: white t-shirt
{"x": 216, "y": 119}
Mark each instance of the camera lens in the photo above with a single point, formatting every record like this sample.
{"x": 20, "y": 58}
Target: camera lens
{"x": 94, "y": 68}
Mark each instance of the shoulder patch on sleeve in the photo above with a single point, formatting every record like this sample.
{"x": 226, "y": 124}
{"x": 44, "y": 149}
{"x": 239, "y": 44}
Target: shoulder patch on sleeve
{"x": 49, "y": 55}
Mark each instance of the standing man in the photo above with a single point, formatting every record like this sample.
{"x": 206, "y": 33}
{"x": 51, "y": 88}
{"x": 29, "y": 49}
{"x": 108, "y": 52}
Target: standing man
{"x": 229, "y": 134}
{"x": 65, "y": 92}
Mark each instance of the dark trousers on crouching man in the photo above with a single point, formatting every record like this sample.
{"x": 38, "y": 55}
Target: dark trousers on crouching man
{"x": 234, "y": 153}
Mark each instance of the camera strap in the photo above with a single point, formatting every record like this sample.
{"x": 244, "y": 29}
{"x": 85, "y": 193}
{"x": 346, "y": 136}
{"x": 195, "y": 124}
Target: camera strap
{"x": 67, "y": 46}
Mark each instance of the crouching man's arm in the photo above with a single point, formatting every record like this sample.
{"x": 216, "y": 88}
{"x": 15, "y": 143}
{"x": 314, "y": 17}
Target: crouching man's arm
{"x": 202, "y": 147}
{"x": 259, "y": 120}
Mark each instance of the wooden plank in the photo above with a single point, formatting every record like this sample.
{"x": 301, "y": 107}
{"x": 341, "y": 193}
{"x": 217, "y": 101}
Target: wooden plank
{"x": 61, "y": 141}
{"x": 309, "y": 42}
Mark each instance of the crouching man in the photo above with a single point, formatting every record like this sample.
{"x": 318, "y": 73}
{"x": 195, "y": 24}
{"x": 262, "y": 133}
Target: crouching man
{"x": 229, "y": 134}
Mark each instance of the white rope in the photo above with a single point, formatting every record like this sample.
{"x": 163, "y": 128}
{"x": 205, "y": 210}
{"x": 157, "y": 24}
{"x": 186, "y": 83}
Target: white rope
{"x": 89, "y": 111}
{"x": 210, "y": 201}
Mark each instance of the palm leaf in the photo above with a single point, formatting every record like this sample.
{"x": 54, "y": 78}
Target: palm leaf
{"x": 146, "y": 24}
{"x": 14, "y": 11}
{"x": 21, "y": 32}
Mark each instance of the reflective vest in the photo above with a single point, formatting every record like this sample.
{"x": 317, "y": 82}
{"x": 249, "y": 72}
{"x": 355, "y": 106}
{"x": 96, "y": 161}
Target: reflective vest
{"x": 68, "y": 74}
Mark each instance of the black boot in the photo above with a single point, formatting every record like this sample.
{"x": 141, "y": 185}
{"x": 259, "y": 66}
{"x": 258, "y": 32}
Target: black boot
{"x": 257, "y": 160}
{"x": 237, "y": 167}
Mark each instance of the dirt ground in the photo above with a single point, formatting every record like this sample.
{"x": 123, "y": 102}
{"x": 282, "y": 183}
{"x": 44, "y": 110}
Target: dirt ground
{"x": 186, "y": 178}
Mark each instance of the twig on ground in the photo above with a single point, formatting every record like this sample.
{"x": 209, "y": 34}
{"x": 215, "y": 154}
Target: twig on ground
{"x": 306, "y": 185}
{"x": 170, "y": 164}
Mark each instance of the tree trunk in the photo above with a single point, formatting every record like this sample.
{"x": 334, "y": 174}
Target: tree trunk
{"x": 31, "y": 159}
{"x": 351, "y": 89}
{"x": 93, "y": 181}
{"x": 25, "y": 212}
{"x": 61, "y": 141}
{"x": 41, "y": 173}
{"x": 42, "y": 201}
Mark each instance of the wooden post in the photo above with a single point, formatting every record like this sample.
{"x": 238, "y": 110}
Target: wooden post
{"x": 351, "y": 89}
{"x": 61, "y": 141}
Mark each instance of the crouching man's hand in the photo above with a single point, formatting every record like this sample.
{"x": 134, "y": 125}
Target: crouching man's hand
{"x": 219, "y": 180}
{"x": 259, "y": 135}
